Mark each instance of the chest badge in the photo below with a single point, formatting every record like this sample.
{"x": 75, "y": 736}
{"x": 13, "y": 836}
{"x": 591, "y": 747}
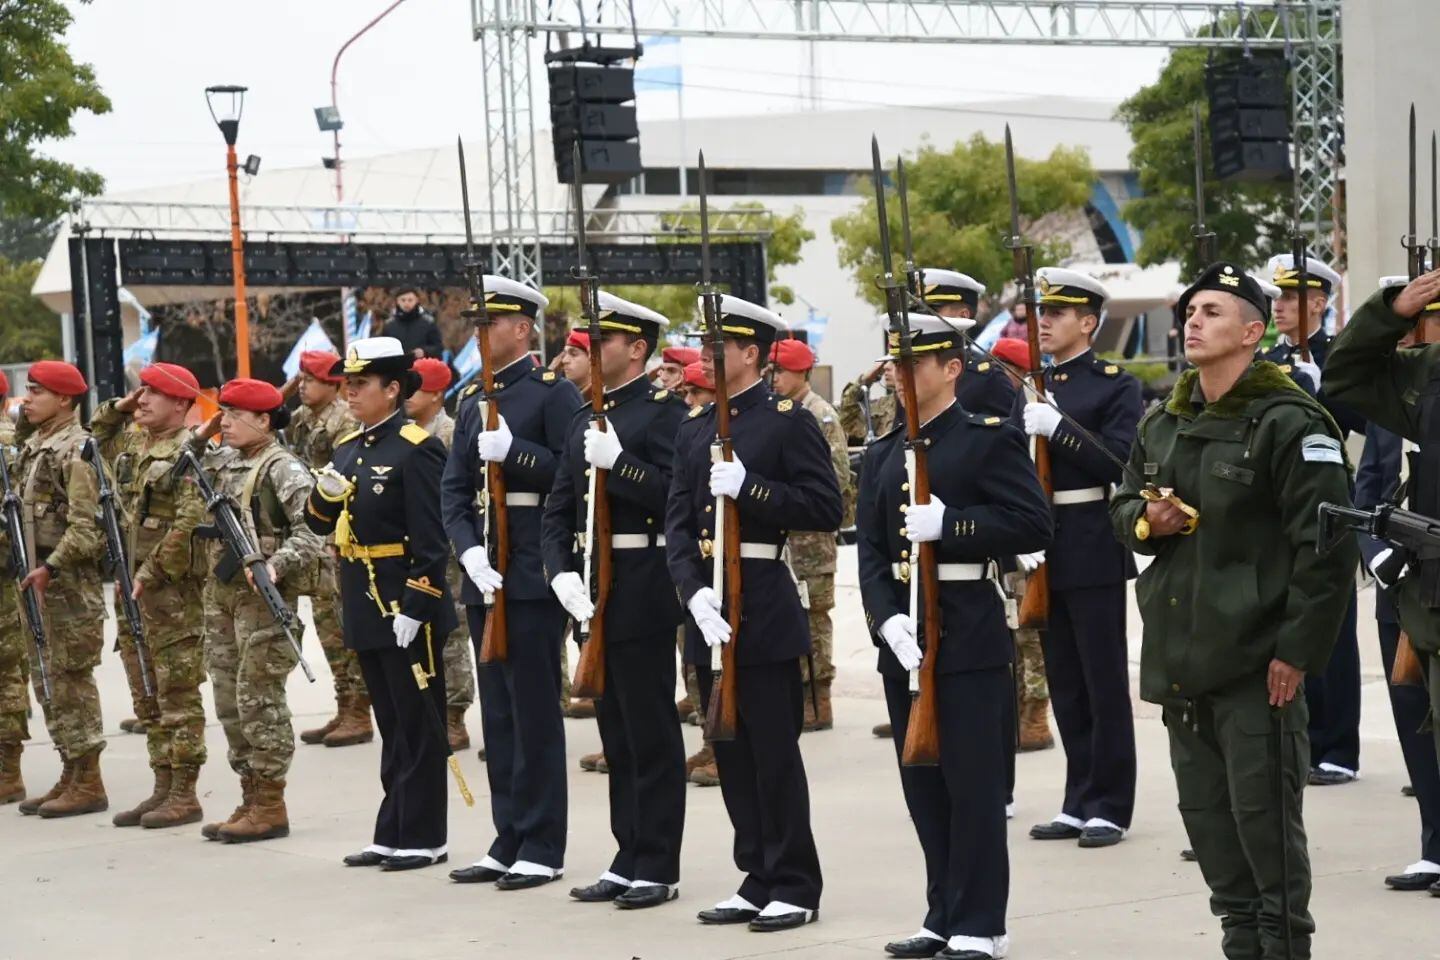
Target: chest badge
{"x": 784, "y": 405}
{"x": 380, "y": 470}
{"x": 378, "y": 489}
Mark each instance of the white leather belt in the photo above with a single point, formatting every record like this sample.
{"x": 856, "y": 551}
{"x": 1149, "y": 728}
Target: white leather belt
{"x": 635, "y": 541}
{"x": 1067, "y": 498}
{"x": 759, "y": 551}
{"x": 947, "y": 571}
{"x": 522, "y": 499}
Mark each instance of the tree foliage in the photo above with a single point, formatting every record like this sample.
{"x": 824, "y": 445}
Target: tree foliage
{"x": 28, "y": 329}
{"x": 960, "y": 212}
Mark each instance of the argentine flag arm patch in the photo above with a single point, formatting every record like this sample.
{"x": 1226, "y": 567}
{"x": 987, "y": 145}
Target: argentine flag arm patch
{"x": 1321, "y": 448}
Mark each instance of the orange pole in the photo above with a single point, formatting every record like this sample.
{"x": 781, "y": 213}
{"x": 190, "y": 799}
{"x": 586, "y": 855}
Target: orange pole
{"x": 237, "y": 265}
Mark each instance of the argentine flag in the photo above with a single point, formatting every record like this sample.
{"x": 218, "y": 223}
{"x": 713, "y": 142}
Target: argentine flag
{"x": 659, "y": 66}
{"x": 466, "y": 364}
{"x": 314, "y": 338}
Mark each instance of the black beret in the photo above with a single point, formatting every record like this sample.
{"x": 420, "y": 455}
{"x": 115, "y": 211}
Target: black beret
{"x": 1227, "y": 278}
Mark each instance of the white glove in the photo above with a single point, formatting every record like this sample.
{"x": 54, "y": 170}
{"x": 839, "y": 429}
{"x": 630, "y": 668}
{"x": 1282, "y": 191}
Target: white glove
{"x": 602, "y": 448}
{"x": 1029, "y": 562}
{"x": 1379, "y": 562}
{"x": 1041, "y": 418}
{"x": 705, "y": 608}
{"x": 726, "y": 478}
{"x": 478, "y": 569}
{"x": 406, "y": 629}
{"x": 494, "y": 445}
{"x": 1308, "y": 368}
{"x": 924, "y": 520}
{"x": 899, "y": 635}
{"x": 570, "y": 591}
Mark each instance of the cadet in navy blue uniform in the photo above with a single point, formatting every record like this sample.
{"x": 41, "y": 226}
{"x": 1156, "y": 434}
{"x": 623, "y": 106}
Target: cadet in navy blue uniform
{"x": 638, "y": 725}
{"x": 1333, "y": 696}
{"x": 1086, "y": 660}
{"x": 519, "y": 698}
{"x": 781, "y": 479}
{"x": 984, "y": 387}
{"x": 986, "y": 506}
{"x": 380, "y": 496}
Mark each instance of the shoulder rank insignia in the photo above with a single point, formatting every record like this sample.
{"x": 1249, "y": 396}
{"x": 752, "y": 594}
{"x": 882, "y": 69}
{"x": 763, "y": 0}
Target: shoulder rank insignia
{"x": 991, "y": 421}
{"x": 1111, "y": 369}
{"x": 349, "y": 436}
{"x": 414, "y": 433}
{"x": 659, "y": 395}
{"x": 548, "y": 376}
{"x": 470, "y": 391}
{"x": 981, "y": 368}
{"x": 696, "y": 411}
{"x": 784, "y": 405}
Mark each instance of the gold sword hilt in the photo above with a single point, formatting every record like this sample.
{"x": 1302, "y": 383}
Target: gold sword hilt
{"x": 1154, "y": 494}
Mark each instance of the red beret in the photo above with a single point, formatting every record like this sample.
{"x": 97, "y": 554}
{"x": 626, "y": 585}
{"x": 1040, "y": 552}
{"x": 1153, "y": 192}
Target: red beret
{"x": 792, "y": 355}
{"x": 434, "y": 374}
{"x": 319, "y": 363}
{"x": 257, "y": 396}
{"x": 4, "y": 384}
{"x": 1013, "y": 351}
{"x": 695, "y": 376}
{"x": 172, "y": 380}
{"x": 578, "y": 339}
{"x": 684, "y": 356}
{"x": 58, "y": 377}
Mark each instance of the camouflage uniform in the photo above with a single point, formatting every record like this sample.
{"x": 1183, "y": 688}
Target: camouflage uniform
{"x": 14, "y": 652}
{"x": 459, "y": 661}
{"x": 246, "y": 651}
{"x": 852, "y": 414}
{"x": 1029, "y": 657}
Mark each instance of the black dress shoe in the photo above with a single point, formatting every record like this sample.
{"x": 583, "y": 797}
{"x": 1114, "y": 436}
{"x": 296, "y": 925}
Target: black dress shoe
{"x": 412, "y": 862}
{"x": 1187, "y": 855}
{"x": 784, "y": 921}
{"x": 1435, "y": 889}
{"x": 638, "y": 898}
{"x": 523, "y": 881}
{"x": 601, "y": 891}
{"x": 1407, "y": 791}
{"x": 1101, "y": 836}
{"x": 723, "y": 915}
{"x": 365, "y": 858}
{"x": 1329, "y": 778}
{"x": 948, "y": 954}
{"x": 1054, "y": 830}
{"x": 1412, "y": 881}
{"x": 476, "y": 874}
{"x": 915, "y": 947}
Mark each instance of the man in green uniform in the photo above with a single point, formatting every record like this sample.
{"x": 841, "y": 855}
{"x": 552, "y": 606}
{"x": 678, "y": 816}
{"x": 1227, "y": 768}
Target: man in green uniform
{"x": 161, "y": 513}
{"x": 882, "y": 409}
{"x": 812, "y": 555}
{"x": 323, "y": 418}
{"x": 14, "y": 653}
{"x": 60, "y": 499}
{"x": 1238, "y": 604}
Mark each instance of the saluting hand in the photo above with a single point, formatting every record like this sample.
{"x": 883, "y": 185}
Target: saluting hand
{"x": 1417, "y": 293}
{"x": 1283, "y": 682}
{"x": 1164, "y": 517}
{"x": 130, "y": 401}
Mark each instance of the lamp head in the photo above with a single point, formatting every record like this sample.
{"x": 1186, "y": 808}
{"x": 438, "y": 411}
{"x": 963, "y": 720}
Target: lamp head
{"x": 226, "y": 104}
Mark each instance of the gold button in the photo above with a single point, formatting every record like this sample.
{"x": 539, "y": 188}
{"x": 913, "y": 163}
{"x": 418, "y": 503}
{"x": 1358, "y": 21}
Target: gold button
{"x": 704, "y": 533}
{"x": 585, "y": 496}
{"x": 904, "y": 488}
{"x": 359, "y": 460}
{"x": 650, "y": 520}
{"x": 904, "y": 532}
{"x": 1175, "y": 687}
{"x": 1174, "y": 602}
{"x": 734, "y": 412}
{"x": 709, "y": 508}
{"x": 904, "y": 507}
{"x": 904, "y": 554}
{"x": 587, "y": 471}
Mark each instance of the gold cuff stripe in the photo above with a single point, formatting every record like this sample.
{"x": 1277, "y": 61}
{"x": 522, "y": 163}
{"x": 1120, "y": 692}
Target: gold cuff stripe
{"x": 424, "y": 586}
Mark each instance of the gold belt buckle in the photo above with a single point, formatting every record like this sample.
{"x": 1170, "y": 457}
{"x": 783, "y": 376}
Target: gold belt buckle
{"x": 707, "y": 548}
{"x": 904, "y": 571}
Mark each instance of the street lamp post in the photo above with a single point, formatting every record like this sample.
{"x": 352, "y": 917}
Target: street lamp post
{"x": 226, "y": 104}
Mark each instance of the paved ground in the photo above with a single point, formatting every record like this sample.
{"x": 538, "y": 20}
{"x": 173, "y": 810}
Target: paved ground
{"x": 81, "y": 888}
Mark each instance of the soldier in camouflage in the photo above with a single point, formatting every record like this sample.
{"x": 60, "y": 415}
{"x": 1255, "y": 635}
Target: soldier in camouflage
{"x": 426, "y": 407}
{"x": 161, "y": 513}
{"x": 882, "y": 409}
{"x": 14, "y": 654}
{"x": 812, "y": 555}
{"x": 60, "y": 499}
{"x": 323, "y": 418}
{"x": 246, "y": 652}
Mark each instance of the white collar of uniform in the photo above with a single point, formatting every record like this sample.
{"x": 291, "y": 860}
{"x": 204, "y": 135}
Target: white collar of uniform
{"x": 1285, "y": 341}
{"x": 523, "y": 356}
{"x": 1077, "y": 356}
{"x": 940, "y": 414}
{"x": 378, "y": 424}
{"x": 747, "y": 389}
{"x": 625, "y": 384}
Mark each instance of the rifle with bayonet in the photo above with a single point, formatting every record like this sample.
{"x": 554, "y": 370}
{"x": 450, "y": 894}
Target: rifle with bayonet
{"x": 20, "y": 567}
{"x": 495, "y": 641}
{"x": 119, "y": 563}
{"x": 723, "y": 716}
{"x": 1299, "y": 257}
{"x": 1205, "y": 245}
{"x": 1433, "y": 244}
{"x": 922, "y": 733}
{"x": 589, "y": 680}
{"x": 1035, "y": 607}
{"x": 242, "y": 552}
{"x": 1414, "y": 249}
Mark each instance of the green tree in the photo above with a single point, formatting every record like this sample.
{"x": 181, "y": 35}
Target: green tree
{"x": 960, "y": 211}
{"x": 29, "y": 330}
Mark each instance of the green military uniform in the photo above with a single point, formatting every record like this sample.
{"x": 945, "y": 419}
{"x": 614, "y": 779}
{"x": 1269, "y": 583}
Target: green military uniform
{"x": 812, "y": 558}
{"x": 59, "y": 499}
{"x": 459, "y": 661}
{"x": 313, "y": 435}
{"x": 161, "y": 513}
{"x": 14, "y": 659}
{"x": 852, "y": 412}
{"x": 1247, "y": 586}
{"x": 1029, "y": 655}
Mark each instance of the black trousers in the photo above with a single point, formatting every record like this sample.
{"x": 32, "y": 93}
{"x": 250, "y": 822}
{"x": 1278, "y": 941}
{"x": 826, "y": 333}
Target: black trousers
{"x": 762, "y": 778}
{"x": 646, "y": 753}
{"x": 1086, "y": 664}
{"x": 1410, "y": 706}
{"x": 958, "y": 808}
{"x": 525, "y": 733}
{"x": 413, "y": 753}
{"x": 1334, "y": 700}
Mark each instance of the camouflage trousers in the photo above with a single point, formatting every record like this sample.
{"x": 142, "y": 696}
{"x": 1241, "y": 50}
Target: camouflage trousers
{"x": 458, "y": 656}
{"x": 174, "y": 628}
{"x": 822, "y": 631}
{"x": 248, "y": 659}
{"x": 74, "y": 634}
{"x": 687, "y": 671}
{"x": 14, "y": 668}
{"x": 1030, "y": 682}
{"x": 325, "y": 612}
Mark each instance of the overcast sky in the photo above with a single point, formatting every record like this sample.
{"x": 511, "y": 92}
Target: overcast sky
{"x": 415, "y": 80}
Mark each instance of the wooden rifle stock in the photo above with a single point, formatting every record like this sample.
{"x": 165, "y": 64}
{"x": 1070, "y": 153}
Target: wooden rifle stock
{"x": 589, "y": 680}
{"x": 495, "y": 641}
{"x": 1408, "y": 669}
{"x": 723, "y": 716}
{"x": 922, "y": 734}
{"x": 1035, "y": 605}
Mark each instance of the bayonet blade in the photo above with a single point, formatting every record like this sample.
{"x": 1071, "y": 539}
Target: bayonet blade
{"x": 877, "y": 173}
{"x": 1412, "y": 172}
{"x": 1014, "y": 191}
{"x": 577, "y": 192}
{"x": 1434, "y": 203}
{"x": 904, "y": 193}
{"x": 704, "y": 228}
{"x": 465, "y": 203}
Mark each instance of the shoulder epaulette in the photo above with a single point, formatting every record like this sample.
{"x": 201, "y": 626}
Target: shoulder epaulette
{"x": 784, "y": 405}
{"x": 470, "y": 391}
{"x": 1107, "y": 367}
{"x": 986, "y": 419}
{"x": 545, "y": 376}
{"x": 697, "y": 411}
{"x": 983, "y": 366}
{"x": 349, "y": 436}
{"x": 414, "y": 433}
{"x": 660, "y": 396}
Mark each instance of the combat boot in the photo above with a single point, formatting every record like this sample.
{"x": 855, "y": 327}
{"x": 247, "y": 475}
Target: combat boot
{"x": 825, "y": 719}
{"x": 85, "y": 792}
{"x": 455, "y": 728}
{"x": 12, "y": 787}
{"x": 211, "y": 831}
{"x": 706, "y": 775}
{"x": 705, "y": 757}
{"x": 685, "y": 707}
{"x": 318, "y": 734}
{"x": 580, "y": 709}
{"x": 181, "y": 806}
{"x": 1035, "y": 726}
{"x": 354, "y": 724}
{"x": 31, "y": 806}
{"x": 128, "y": 725}
{"x": 808, "y": 725}
{"x": 266, "y": 819}
{"x": 131, "y": 818}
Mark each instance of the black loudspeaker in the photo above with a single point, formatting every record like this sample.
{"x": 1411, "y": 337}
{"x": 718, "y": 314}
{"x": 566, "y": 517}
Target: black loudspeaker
{"x": 1249, "y": 117}
{"x": 592, "y": 93}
